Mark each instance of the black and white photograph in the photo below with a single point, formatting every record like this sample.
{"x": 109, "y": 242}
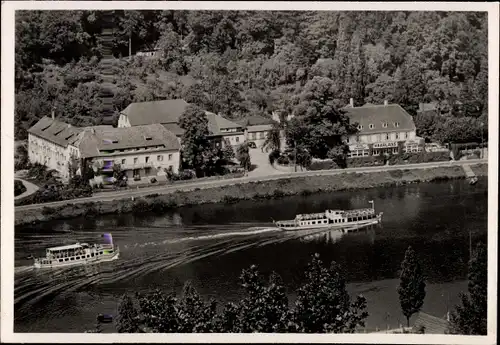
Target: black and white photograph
{"x": 288, "y": 169}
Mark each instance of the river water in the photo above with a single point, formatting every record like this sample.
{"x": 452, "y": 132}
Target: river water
{"x": 210, "y": 245}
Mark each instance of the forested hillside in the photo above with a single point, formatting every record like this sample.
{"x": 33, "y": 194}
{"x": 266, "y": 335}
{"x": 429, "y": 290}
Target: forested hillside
{"x": 239, "y": 62}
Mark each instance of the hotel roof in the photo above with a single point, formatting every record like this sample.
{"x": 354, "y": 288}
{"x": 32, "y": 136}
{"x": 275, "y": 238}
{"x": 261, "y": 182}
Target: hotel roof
{"x": 168, "y": 113}
{"x": 381, "y": 118}
{"x": 55, "y": 131}
{"x": 97, "y": 140}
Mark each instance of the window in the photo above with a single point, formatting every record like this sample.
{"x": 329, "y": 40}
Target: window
{"x": 397, "y": 136}
{"x": 147, "y": 159}
{"x": 406, "y": 135}
{"x": 60, "y": 260}
{"x": 386, "y": 136}
{"x": 371, "y": 126}
{"x": 237, "y": 139}
{"x": 253, "y": 136}
{"x": 135, "y": 160}
{"x": 66, "y": 259}
{"x": 360, "y": 127}
{"x": 78, "y": 258}
{"x": 100, "y": 253}
{"x": 72, "y": 258}
{"x": 396, "y": 124}
{"x": 261, "y": 135}
{"x": 347, "y": 140}
{"x": 147, "y": 171}
{"x": 169, "y": 156}
{"x": 171, "y": 167}
{"x": 123, "y": 161}
{"x": 159, "y": 158}
{"x": 384, "y": 124}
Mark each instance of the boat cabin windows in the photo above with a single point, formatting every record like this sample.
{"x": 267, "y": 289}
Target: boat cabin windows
{"x": 60, "y": 260}
{"x": 66, "y": 259}
{"x": 72, "y": 258}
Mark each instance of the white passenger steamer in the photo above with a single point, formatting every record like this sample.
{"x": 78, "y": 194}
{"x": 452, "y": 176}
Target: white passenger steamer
{"x": 332, "y": 219}
{"x": 79, "y": 254}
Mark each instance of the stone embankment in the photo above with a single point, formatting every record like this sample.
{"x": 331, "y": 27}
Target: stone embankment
{"x": 162, "y": 200}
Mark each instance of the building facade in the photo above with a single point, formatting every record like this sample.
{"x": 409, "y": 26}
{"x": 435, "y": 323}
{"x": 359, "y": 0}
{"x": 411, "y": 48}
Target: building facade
{"x": 257, "y": 129}
{"x": 53, "y": 143}
{"x": 168, "y": 113}
{"x": 143, "y": 151}
{"x": 383, "y": 129}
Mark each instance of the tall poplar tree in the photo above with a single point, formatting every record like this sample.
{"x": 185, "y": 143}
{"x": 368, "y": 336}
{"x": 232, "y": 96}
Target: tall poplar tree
{"x": 412, "y": 286}
{"x": 470, "y": 318}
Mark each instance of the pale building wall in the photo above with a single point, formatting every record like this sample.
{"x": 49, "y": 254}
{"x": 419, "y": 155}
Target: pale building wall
{"x": 257, "y": 137}
{"x": 234, "y": 139}
{"x": 123, "y": 121}
{"x": 133, "y": 160}
{"x": 50, "y": 154}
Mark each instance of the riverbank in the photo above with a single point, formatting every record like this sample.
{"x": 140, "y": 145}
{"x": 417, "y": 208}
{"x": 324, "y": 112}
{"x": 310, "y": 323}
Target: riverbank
{"x": 271, "y": 189}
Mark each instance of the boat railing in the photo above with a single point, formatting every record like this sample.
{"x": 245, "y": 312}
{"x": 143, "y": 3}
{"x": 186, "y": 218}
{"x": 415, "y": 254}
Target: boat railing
{"x": 310, "y": 216}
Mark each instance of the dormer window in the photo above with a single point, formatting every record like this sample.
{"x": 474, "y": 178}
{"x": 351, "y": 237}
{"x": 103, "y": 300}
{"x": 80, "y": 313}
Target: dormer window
{"x": 149, "y": 138}
{"x": 371, "y": 125}
{"x": 360, "y": 127}
{"x": 384, "y": 124}
{"x": 396, "y": 124}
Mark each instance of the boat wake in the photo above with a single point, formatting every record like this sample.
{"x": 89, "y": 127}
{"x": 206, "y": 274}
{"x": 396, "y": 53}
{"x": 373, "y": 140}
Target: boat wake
{"x": 136, "y": 261}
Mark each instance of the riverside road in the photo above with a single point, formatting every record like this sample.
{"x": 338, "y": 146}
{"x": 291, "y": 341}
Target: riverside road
{"x": 128, "y": 193}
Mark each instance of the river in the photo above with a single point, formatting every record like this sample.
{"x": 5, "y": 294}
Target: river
{"x": 210, "y": 245}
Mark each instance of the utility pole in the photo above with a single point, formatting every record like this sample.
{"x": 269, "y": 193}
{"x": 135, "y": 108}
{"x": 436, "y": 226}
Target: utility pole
{"x": 482, "y": 142}
{"x": 470, "y": 245}
{"x": 295, "y": 159}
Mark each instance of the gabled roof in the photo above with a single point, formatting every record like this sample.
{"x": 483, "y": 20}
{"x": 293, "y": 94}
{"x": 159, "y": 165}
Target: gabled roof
{"x": 378, "y": 115}
{"x": 168, "y": 113}
{"x": 146, "y": 113}
{"x": 216, "y": 123}
{"x": 97, "y": 140}
{"x": 255, "y": 120}
{"x": 432, "y": 324}
{"x": 56, "y": 131}
{"x": 259, "y": 128}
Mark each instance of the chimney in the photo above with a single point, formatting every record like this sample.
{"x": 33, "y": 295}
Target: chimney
{"x": 386, "y": 103}
{"x": 53, "y": 114}
{"x": 351, "y": 102}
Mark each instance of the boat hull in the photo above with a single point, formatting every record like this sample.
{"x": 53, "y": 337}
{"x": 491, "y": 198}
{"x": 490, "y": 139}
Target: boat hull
{"x": 84, "y": 261}
{"x": 338, "y": 226}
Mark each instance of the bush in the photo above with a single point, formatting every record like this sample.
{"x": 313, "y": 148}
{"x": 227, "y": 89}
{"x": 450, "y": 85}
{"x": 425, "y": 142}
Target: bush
{"x": 273, "y": 156}
{"x": 183, "y": 175}
{"x": 283, "y": 160}
{"x": 420, "y": 157}
{"x": 19, "y": 188}
{"x": 365, "y": 161}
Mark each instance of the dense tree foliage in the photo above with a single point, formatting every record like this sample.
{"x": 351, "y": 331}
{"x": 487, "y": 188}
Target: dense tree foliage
{"x": 240, "y": 62}
{"x": 411, "y": 288}
{"x": 198, "y": 152}
{"x": 470, "y": 317}
{"x": 323, "y": 306}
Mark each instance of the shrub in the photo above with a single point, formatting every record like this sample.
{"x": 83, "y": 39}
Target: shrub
{"x": 273, "y": 156}
{"x": 283, "y": 160}
{"x": 397, "y": 174}
{"x": 19, "y": 188}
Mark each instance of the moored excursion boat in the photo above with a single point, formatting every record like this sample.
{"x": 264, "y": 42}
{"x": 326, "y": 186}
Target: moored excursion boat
{"x": 332, "y": 219}
{"x": 79, "y": 254}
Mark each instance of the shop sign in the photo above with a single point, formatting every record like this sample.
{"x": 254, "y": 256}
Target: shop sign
{"x": 385, "y": 145}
